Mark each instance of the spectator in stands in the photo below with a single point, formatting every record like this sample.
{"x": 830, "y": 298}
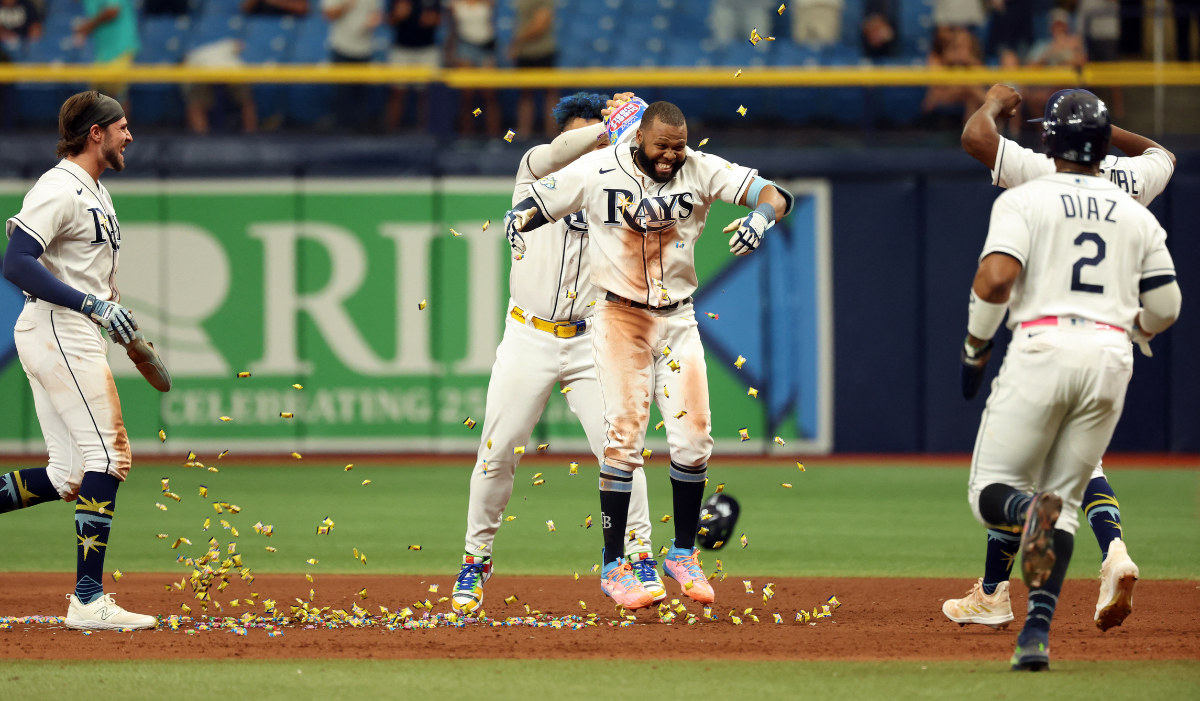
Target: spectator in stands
{"x": 1011, "y": 33}
{"x": 954, "y": 46}
{"x": 958, "y": 13}
{"x": 112, "y": 27}
{"x": 732, "y": 20}
{"x": 351, "y": 40}
{"x": 296, "y": 8}
{"x": 19, "y": 22}
{"x": 1063, "y": 48}
{"x": 534, "y": 46}
{"x": 1100, "y": 22}
{"x": 471, "y": 43}
{"x": 415, "y": 23}
{"x": 200, "y": 97}
{"x": 879, "y": 29}
{"x": 173, "y": 8}
{"x": 1185, "y": 12}
{"x": 816, "y": 22}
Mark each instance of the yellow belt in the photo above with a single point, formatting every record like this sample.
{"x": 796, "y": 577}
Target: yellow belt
{"x": 565, "y": 329}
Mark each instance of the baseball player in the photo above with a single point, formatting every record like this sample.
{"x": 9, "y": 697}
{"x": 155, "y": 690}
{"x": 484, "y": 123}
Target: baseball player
{"x": 1143, "y": 176}
{"x": 62, "y": 251}
{"x": 646, "y": 204}
{"x": 1068, "y": 256}
{"x": 546, "y": 341}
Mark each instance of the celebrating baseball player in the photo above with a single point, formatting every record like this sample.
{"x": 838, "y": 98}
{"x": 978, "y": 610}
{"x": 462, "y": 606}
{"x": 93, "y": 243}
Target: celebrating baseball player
{"x": 62, "y": 251}
{"x": 646, "y": 204}
{"x": 545, "y": 342}
{"x": 1142, "y": 176}
{"x": 1067, "y": 257}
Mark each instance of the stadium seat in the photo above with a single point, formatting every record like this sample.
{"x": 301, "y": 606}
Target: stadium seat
{"x": 915, "y": 27}
{"x": 209, "y": 28}
{"x": 225, "y": 8}
{"x": 162, "y": 43}
{"x": 267, "y": 41}
{"x": 310, "y": 104}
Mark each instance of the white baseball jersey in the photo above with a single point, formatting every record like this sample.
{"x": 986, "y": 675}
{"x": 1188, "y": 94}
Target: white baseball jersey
{"x": 1084, "y": 246}
{"x": 643, "y": 232}
{"x": 551, "y": 280}
{"x": 72, "y": 216}
{"x": 1142, "y": 177}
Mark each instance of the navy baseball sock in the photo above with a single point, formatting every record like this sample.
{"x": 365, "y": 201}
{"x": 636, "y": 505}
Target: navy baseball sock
{"x": 24, "y": 488}
{"x": 1043, "y": 601}
{"x": 616, "y": 486}
{"x": 1103, "y": 513}
{"x": 1002, "y": 505}
{"x": 93, "y": 519}
{"x": 1002, "y": 546}
{"x": 687, "y": 498}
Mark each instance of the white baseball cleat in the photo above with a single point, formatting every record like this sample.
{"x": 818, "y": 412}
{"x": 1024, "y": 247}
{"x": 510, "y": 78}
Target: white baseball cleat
{"x": 104, "y": 614}
{"x": 1118, "y": 574}
{"x": 994, "y": 610}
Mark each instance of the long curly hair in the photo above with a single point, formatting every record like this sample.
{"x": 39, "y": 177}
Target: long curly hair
{"x": 582, "y": 104}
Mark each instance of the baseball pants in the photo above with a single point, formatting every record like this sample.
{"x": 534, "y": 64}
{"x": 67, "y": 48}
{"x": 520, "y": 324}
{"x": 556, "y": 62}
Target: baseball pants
{"x": 528, "y": 364}
{"x": 634, "y": 351}
{"x": 1052, "y": 412}
{"x": 65, "y": 357}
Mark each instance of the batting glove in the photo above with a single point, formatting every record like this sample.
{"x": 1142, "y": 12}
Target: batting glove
{"x": 514, "y": 222}
{"x": 1142, "y": 339}
{"x": 974, "y": 365}
{"x": 749, "y": 232}
{"x": 115, "y": 319}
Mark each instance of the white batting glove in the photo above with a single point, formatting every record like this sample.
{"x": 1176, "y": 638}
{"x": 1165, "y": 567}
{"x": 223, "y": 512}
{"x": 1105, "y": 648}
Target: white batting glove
{"x": 514, "y": 222}
{"x": 749, "y": 232}
{"x": 1142, "y": 339}
{"x": 112, "y": 317}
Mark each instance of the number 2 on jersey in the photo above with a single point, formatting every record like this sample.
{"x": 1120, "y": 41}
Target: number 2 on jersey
{"x": 1078, "y": 285}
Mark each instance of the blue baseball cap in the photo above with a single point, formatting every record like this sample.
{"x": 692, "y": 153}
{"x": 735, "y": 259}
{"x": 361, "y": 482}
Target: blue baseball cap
{"x": 1054, "y": 98}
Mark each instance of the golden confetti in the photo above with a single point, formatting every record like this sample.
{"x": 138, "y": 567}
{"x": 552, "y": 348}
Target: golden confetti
{"x": 348, "y": 467}
{"x": 312, "y": 561}
{"x": 511, "y": 600}
{"x": 739, "y": 73}
{"x": 166, "y": 484}
{"x": 752, "y": 392}
{"x": 486, "y": 224}
{"x": 581, "y": 604}
{"x": 801, "y": 466}
{"x": 172, "y": 495}
{"x": 744, "y": 541}
{"x": 658, "y": 425}
{"x": 478, "y": 111}
{"x": 414, "y": 547}
{"x": 576, "y": 576}
{"x": 117, "y": 574}
{"x": 509, "y": 136}
{"x": 510, "y": 518}
{"x": 160, "y": 507}
{"x": 222, "y": 454}
{"x": 674, "y": 365}
{"x": 587, "y": 522}
{"x": 543, "y": 446}
{"x": 538, "y": 482}
{"x": 666, "y": 392}
{"x": 665, "y": 519}
{"x": 834, "y": 602}
{"x": 191, "y": 456}
{"x": 739, "y": 362}
{"x": 779, "y": 440}
{"x": 666, "y": 351}
{"x": 717, "y": 545}
{"x": 681, "y": 414}
{"x": 180, "y": 541}
{"x": 489, "y": 442}
{"x": 550, "y": 525}
{"x": 422, "y": 304}
{"x": 366, "y": 482}
{"x": 720, "y": 487}
{"x": 786, "y": 485}
{"x": 519, "y": 450}
{"x": 162, "y": 536}
{"x": 469, "y": 423}
{"x": 702, "y": 142}
{"x": 564, "y": 390}
{"x": 572, "y": 294}
{"x": 285, "y": 414}
{"x": 703, "y": 531}
{"x": 213, "y": 469}
{"x": 363, "y": 558}
{"x": 162, "y": 435}
{"x": 742, "y": 110}
{"x": 595, "y": 568}
{"x": 243, "y": 374}
{"x": 574, "y": 468}
{"x": 782, "y": 7}
{"x": 646, "y": 452}
{"x": 744, "y": 433}
{"x": 296, "y": 455}
{"x": 226, "y": 418}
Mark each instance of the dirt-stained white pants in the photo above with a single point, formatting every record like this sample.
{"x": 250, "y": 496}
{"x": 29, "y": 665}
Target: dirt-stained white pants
{"x": 65, "y": 357}
{"x": 528, "y": 365}
{"x": 1051, "y": 414}
{"x": 643, "y": 354}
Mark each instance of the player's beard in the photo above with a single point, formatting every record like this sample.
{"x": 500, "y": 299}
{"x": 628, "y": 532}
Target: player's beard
{"x": 648, "y": 168}
{"x": 111, "y": 152}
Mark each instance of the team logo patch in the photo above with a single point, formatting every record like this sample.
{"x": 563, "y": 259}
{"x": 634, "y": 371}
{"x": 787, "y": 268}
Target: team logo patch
{"x": 549, "y": 182}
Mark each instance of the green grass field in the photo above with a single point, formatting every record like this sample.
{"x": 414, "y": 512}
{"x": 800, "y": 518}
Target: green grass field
{"x": 835, "y": 521}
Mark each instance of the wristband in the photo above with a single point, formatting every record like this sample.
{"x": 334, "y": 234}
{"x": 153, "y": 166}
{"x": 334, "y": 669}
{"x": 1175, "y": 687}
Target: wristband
{"x": 983, "y": 318}
{"x": 768, "y": 212}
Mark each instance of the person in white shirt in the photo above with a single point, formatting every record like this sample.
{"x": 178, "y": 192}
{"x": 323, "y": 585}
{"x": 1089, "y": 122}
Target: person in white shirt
{"x": 1069, "y": 256}
{"x": 646, "y": 204}
{"x": 546, "y": 341}
{"x": 1143, "y": 175}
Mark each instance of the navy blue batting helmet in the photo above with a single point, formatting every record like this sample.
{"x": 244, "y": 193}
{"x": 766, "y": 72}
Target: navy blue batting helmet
{"x": 1076, "y": 127}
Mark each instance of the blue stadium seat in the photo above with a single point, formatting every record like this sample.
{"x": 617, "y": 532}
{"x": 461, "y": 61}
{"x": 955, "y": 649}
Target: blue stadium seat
{"x": 267, "y": 41}
{"x": 38, "y": 103}
{"x": 209, "y": 28}
{"x": 915, "y": 27}
{"x": 226, "y": 8}
{"x": 309, "y": 104}
{"x": 163, "y": 41}
{"x": 898, "y": 105}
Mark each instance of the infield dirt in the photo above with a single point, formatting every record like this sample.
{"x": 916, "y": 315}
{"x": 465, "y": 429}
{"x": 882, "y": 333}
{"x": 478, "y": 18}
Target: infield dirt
{"x": 880, "y": 619}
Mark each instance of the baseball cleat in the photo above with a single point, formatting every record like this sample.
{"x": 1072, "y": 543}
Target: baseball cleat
{"x": 468, "y": 587}
{"x": 645, "y": 568}
{"x": 104, "y": 614}
{"x": 993, "y": 611}
{"x": 684, "y": 567}
{"x": 1037, "y": 538}
{"x": 1032, "y": 653}
{"x": 1118, "y": 574}
{"x": 618, "y": 582}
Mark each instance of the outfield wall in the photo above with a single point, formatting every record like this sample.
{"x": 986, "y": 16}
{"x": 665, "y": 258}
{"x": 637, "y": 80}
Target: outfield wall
{"x": 851, "y": 317}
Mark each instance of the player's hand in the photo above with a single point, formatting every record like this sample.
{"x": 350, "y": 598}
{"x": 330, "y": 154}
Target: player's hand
{"x": 974, "y": 364}
{"x": 749, "y": 232}
{"x": 115, "y": 319}
{"x": 1142, "y": 339}
{"x": 514, "y": 223}
{"x": 616, "y": 101}
{"x": 1008, "y": 98}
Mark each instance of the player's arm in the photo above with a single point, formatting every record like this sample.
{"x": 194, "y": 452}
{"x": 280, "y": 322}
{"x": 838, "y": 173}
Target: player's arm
{"x": 21, "y": 268}
{"x": 1134, "y": 145}
{"x": 1159, "y": 293}
{"x": 565, "y": 149}
{"x": 770, "y": 203}
{"x": 102, "y": 17}
{"x": 549, "y": 199}
{"x": 980, "y": 138}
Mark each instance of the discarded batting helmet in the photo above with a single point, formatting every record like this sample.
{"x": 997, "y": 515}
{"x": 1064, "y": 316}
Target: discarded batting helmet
{"x": 724, "y": 511}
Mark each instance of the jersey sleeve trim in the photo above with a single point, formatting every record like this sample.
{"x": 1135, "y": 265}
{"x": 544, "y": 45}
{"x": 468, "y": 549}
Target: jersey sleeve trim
{"x": 1155, "y": 281}
{"x": 1157, "y": 271}
{"x": 27, "y": 229}
{"x": 999, "y": 161}
{"x": 541, "y": 203}
{"x": 1006, "y": 251}
{"x": 745, "y": 184}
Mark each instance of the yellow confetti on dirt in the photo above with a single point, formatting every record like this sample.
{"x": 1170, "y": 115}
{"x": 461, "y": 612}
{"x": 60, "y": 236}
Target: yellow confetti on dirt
{"x": 297, "y": 455}
{"x": 801, "y": 466}
{"x": 117, "y": 574}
